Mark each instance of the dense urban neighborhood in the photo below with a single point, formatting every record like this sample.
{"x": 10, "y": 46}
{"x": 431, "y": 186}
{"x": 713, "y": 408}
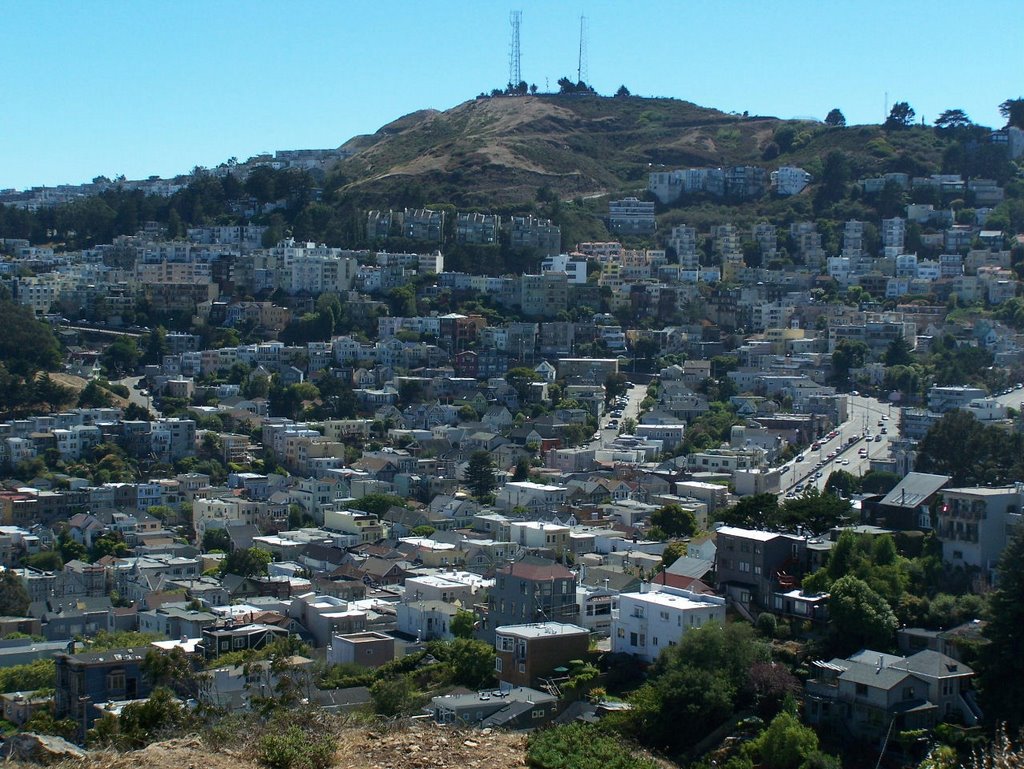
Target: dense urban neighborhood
{"x": 726, "y": 463}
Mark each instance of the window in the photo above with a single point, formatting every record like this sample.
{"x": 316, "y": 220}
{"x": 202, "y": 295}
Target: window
{"x": 908, "y": 692}
{"x": 522, "y": 667}
{"x": 505, "y": 643}
{"x": 497, "y": 664}
{"x": 638, "y": 611}
{"x": 663, "y": 616}
{"x": 862, "y": 690}
{"x": 115, "y": 681}
{"x": 745, "y": 566}
{"x": 239, "y": 642}
{"x": 757, "y": 569}
{"x": 620, "y": 633}
{"x": 654, "y": 640}
{"x": 633, "y": 639}
{"x": 540, "y": 713}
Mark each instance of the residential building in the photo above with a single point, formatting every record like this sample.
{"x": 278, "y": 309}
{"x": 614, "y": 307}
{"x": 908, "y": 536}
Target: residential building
{"x": 631, "y": 216}
{"x": 646, "y": 623}
{"x": 88, "y": 680}
{"x": 528, "y": 654}
{"x": 368, "y": 649}
{"x": 974, "y": 525}
{"x": 531, "y": 589}
{"x": 871, "y": 695}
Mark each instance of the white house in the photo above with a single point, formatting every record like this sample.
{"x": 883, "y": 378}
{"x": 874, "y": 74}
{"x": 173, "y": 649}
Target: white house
{"x": 648, "y": 622}
{"x": 789, "y": 180}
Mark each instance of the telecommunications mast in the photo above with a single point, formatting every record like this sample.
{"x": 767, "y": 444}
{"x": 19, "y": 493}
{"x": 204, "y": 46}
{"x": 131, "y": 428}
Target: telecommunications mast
{"x": 514, "y": 72}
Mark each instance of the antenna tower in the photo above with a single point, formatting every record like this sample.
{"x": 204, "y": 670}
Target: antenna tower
{"x": 514, "y": 73}
{"x": 581, "y": 65}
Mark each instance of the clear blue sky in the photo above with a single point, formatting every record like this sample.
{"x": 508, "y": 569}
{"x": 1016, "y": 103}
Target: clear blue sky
{"x": 142, "y": 87}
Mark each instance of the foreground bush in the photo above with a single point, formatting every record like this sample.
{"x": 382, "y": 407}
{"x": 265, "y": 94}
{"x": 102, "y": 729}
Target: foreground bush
{"x": 582, "y": 746}
{"x": 296, "y": 748}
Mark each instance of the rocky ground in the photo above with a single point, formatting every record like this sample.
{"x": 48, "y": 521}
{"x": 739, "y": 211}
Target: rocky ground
{"x": 420, "y": 746}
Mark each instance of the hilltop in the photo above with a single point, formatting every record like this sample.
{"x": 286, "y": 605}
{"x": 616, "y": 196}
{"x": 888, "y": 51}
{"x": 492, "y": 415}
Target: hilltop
{"x": 499, "y": 151}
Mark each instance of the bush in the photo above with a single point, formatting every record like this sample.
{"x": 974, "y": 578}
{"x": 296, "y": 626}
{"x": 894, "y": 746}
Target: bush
{"x": 767, "y": 625}
{"x": 294, "y": 748}
{"x": 395, "y": 696}
{"x": 581, "y": 746}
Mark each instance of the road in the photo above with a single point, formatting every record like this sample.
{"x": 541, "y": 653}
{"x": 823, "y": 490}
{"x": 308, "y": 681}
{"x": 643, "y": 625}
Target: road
{"x": 631, "y": 410}
{"x": 865, "y": 415}
{"x": 1014, "y": 398}
{"x": 135, "y": 395}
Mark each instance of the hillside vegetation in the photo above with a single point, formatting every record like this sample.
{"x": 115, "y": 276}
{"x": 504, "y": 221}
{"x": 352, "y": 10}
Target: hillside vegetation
{"x": 494, "y": 152}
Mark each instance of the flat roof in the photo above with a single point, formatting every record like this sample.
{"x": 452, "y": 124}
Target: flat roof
{"x": 675, "y": 600}
{"x": 541, "y": 629}
{"x": 760, "y": 536}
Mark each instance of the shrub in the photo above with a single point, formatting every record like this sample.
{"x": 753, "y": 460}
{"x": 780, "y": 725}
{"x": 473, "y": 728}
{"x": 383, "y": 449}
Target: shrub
{"x": 581, "y": 746}
{"x": 767, "y": 625}
{"x": 295, "y": 748}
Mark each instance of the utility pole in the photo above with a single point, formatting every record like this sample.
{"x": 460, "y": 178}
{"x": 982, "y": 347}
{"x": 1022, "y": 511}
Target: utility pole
{"x": 581, "y": 64}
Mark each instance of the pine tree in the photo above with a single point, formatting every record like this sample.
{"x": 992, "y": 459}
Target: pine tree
{"x": 1002, "y": 659}
{"x": 479, "y": 475}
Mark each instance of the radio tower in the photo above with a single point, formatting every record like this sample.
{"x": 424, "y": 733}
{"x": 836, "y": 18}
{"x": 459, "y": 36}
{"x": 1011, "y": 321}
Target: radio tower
{"x": 515, "y": 76}
{"x": 581, "y": 66}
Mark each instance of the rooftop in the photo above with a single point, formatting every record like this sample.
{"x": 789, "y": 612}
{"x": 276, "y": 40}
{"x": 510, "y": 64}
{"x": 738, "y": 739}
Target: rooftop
{"x": 676, "y": 599}
{"x": 541, "y": 629}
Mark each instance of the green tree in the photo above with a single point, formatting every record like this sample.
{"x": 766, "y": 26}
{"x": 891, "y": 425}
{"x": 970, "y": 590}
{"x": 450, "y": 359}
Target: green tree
{"x": 901, "y": 116}
{"x": 835, "y": 118}
{"x": 27, "y": 345}
{"x": 520, "y": 379}
{"x": 841, "y": 481}
{"x": 216, "y": 539}
{"x": 953, "y": 119}
{"x": 51, "y": 395}
{"x": 835, "y": 174}
{"x": 121, "y": 356}
{"x": 1002, "y": 658}
{"x": 394, "y": 696}
{"x": 378, "y": 504}
{"x": 94, "y": 396}
{"x": 785, "y": 744}
{"x": 248, "y": 562}
{"x": 815, "y": 511}
{"x": 40, "y": 674}
{"x": 1013, "y": 111}
{"x": 673, "y": 552}
{"x": 860, "y": 617}
{"x": 472, "y": 662}
{"x": 899, "y": 352}
{"x": 14, "y": 598}
{"x": 522, "y": 471}
{"x": 970, "y": 452}
{"x": 463, "y": 624}
{"x": 674, "y": 521}
{"x": 758, "y": 511}
{"x": 615, "y": 385}
{"x": 156, "y": 346}
{"x": 692, "y": 688}
{"x": 848, "y": 354}
{"x": 479, "y": 475}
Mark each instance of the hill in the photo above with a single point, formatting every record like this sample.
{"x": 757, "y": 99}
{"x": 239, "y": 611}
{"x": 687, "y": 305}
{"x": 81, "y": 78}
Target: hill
{"x": 495, "y": 152}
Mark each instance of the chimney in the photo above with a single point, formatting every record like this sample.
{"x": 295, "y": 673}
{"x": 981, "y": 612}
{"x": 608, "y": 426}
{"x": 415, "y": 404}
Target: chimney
{"x": 880, "y": 664}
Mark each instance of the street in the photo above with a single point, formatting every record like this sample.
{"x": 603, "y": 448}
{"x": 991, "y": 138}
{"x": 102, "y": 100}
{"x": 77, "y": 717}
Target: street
{"x": 864, "y": 416}
{"x": 135, "y": 395}
{"x": 631, "y": 410}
